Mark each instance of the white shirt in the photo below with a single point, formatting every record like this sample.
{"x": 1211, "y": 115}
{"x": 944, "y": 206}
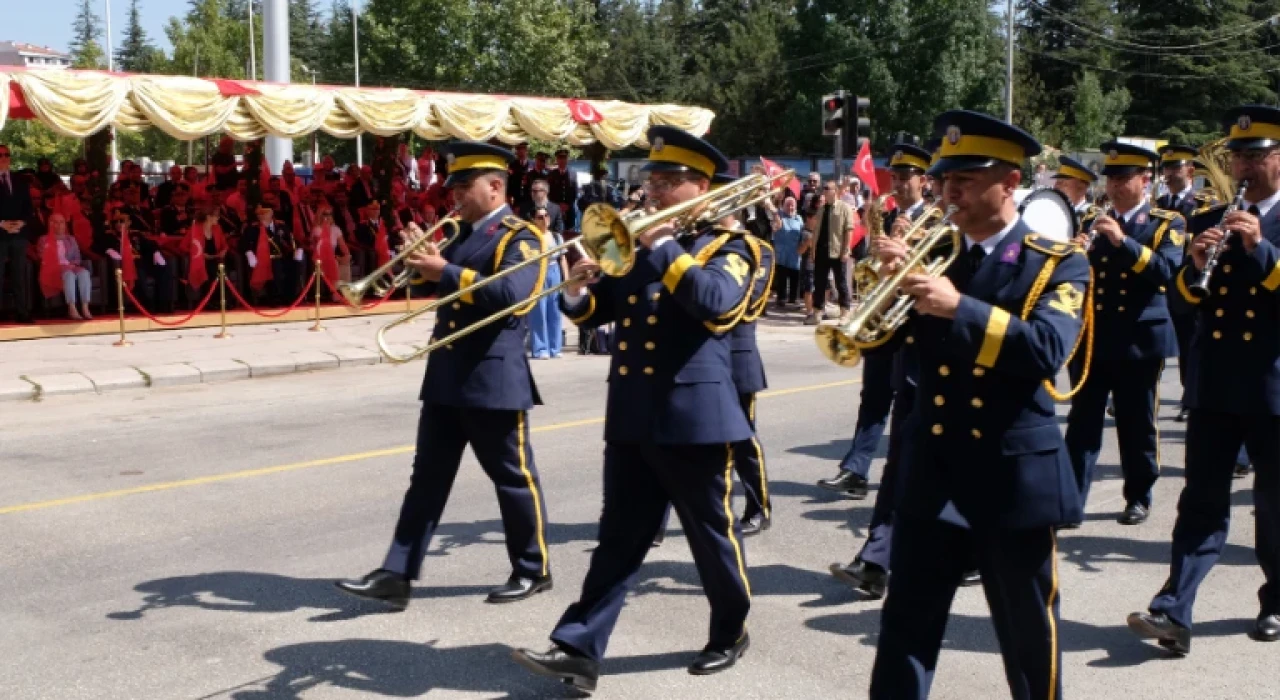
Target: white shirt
{"x": 484, "y": 220}
{"x": 991, "y": 242}
{"x": 1127, "y": 216}
{"x": 1180, "y": 197}
{"x": 1265, "y": 205}
{"x": 914, "y": 209}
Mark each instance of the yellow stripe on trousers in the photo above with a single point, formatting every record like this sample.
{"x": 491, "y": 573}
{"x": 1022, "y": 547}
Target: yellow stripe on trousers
{"x": 521, "y": 441}
{"x": 728, "y": 515}
{"x": 764, "y": 475}
{"x": 1053, "y": 624}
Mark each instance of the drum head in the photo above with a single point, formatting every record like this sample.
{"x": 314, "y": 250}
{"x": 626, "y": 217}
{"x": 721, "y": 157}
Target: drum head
{"x": 1049, "y": 213}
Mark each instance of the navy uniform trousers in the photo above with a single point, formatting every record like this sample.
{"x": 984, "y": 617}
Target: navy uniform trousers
{"x": 1204, "y": 509}
{"x": 748, "y": 462}
{"x": 873, "y": 413}
{"x": 876, "y": 550}
{"x": 639, "y": 482}
{"x": 500, "y": 440}
{"x": 1133, "y": 386}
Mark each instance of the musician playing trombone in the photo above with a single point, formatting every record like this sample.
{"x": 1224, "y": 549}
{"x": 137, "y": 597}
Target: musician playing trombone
{"x": 478, "y": 390}
{"x": 1134, "y": 250}
{"x": 1233, "y": 386}
{"x": 672, "y": 416}
{"x": 986, "y": 475}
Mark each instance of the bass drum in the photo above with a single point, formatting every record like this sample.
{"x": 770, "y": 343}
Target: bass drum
{"x": 1049, "y": 213}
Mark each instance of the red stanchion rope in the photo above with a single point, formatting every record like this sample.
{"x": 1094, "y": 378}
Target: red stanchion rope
{"x": 363, "y": 307}
{"x": 297, "y": 302}
{"x": 199, "y": 307}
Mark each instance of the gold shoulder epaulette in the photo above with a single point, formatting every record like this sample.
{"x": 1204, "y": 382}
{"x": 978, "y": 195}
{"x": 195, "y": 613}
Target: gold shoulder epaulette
{"x": 1167, "y": 214}
{"x": 1049, "y": 246}
{"x": 514, "y": 222}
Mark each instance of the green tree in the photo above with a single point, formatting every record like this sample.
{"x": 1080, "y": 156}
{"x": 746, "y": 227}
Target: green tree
{"x": 136, "y": 53}
{"x": 30, "y": 140}
{"x": 1097, "y": 115}
{"x": 86, "y": 30}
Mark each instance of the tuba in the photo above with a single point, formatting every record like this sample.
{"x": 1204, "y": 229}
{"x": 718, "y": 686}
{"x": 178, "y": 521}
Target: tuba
{"x": 934, "y": 243}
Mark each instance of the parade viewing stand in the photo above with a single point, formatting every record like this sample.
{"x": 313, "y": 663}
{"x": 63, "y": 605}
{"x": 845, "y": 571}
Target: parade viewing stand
{"x": 81, "y": 104}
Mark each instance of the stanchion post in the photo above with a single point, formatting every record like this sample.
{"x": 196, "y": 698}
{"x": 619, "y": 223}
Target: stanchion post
{"x": 222, "y": 299}
{"x": 123, "y": 342}
{"x": 319, "y": 283}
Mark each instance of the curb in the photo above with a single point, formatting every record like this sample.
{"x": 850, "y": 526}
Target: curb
{"x": 39, "y": 386}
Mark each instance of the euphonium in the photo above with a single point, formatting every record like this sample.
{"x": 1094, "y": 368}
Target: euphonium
{"x": 936, "y": 243}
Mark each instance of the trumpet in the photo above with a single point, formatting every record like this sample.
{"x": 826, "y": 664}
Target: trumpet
{"x": 937, "y": 244}
{"x": 1088, "y": 218}
{"x": 1200, "y": 288}
{"x": 383, "y": 281}
{"x": 608, "y": 237}
{"x": 867, "y": 272}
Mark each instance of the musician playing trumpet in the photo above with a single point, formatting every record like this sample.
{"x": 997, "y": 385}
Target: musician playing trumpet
{"x": 1233, "y": 389}
{"x": 986, "y": 475}
{"x": 1134, "y": 250}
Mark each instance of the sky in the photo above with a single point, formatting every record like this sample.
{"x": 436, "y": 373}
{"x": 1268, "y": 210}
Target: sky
{"x": 48, "y": 22}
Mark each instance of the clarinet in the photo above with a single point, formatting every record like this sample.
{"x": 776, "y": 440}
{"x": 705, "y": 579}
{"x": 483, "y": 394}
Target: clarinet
{"x": 1200, "y": 288}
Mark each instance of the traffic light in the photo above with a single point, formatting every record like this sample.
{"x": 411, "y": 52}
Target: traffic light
{"x": 833, "y": 113}
{"x": 862, "y": 118}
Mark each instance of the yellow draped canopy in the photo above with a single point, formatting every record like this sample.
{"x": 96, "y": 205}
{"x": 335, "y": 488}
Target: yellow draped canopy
{"x": 80, "y": 103}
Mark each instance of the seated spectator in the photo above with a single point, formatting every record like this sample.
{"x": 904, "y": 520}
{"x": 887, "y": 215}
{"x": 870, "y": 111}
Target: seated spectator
{"x": 206, "y": 244}
{"x": 149, "y": 263}
{"x": 272, "y": 254}
{"x": 76, "y": 282}
{"x": 325, "y": 231}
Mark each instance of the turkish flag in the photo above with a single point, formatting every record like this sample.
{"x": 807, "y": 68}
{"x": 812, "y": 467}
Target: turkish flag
{"x": 197, "y": 275}
{"x": 262, "y": 272}
{"x": 127, "y": 265}
{"x": 50, "y": 267}
{"x": 583, "y": 112}
{"x": 772, "y": 169}
{"x": 865, "y": 170}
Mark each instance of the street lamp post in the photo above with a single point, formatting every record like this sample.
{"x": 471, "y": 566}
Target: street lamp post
{"x": 111, "y": 67}
{"x": 355, "y": 40}
{"x": 253, "y": 58}
{"x": 315, "y": 142}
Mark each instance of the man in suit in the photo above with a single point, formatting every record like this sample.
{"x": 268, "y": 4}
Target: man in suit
{"x": 15, "y": 210}
{"x": 1233, "y": 388}
{"x": 986, "y": 474}
{"x": 1177, "y": 165}
{"x": 1135, "y": 252}
{"x": 478, "y": 390}
{"x": 538, "y": 190}
{"x": 564, "y": 187}
{"x": 672, "y": 417}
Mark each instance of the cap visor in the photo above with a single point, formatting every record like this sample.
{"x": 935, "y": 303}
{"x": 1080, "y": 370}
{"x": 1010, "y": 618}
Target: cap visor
{"x": 1118, "y": 170}
{"x": 660, "y": 166}
{"x": 953, "y": 164}
{"x": 1247, "y": 144}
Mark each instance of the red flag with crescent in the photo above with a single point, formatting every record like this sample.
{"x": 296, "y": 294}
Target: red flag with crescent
{"x": 772, "y": 169}
{"x": 262, "y": 272}
{"x": 50, "y": 266}
{"x": 865, "y": 169}
{"x": 583, "y": 112}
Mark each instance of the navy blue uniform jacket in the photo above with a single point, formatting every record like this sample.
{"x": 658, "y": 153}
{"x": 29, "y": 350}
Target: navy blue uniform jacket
{"x": 748, "y": 366}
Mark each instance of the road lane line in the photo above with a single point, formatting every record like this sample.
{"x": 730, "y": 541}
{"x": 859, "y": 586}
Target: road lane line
{"x": 330, "y": 461}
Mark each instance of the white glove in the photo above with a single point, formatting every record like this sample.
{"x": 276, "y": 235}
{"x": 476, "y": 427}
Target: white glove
{"x": 158, "y": 259}
{"x": 299, "y": 255}
{"x": 114, "y": 255}
{"x": 253, "y": 259}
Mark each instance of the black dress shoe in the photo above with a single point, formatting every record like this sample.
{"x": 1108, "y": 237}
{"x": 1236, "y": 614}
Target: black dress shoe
{"x": 379, "y": 584}
{"x": 659, "y": 538}
{"x": 754, "y": 524}
{"x": 869, "y": 579}
{"x": 518, "y": 588}
{"x": 1267, "y": 628}
{"x": 1069, "y": 526}
{"x": 712, "y": 660}
{"x": 1183, "y": 414}
{"x": 1241, "y": 471}
{"x": 1111, "y": 409}
{"x": 971, "y": 578}
{"x": 847, "y": 483}
{"x": 1134, "y": 514}
{"x": 1159, "y": 627}
{"x": 573, "y": 669}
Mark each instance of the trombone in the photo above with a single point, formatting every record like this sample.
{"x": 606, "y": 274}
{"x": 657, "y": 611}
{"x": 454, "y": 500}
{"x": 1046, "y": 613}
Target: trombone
{"x": 608, "y": 237}
{"x": 383, "y": 281}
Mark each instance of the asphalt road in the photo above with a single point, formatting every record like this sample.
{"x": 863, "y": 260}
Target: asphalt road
{"x": 180, "y": 543}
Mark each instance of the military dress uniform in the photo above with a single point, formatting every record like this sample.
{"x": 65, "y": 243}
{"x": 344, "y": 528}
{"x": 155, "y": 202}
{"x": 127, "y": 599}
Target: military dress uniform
{"x": 1185, "y": 203}
{"x": 986, "y": 472}
{"x": 672, "y": 418}
{"x": 477, "y": 391}
{"x": 1233, "y": 391}
{"x": 881, "y": 373}
{"x": 1133, "y": 336}
{"x": 749, "y": 379}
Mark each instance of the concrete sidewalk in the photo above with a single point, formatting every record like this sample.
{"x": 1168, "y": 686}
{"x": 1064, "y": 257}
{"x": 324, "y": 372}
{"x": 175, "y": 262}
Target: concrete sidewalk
{"x": 33, "y": 369}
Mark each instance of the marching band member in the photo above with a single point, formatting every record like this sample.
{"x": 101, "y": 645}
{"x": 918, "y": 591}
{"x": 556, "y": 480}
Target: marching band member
{"x": 1074, "y": 179}
{"x": 1177, "y": 165}
{"x": 986, "y": 471}
{"x": 1233, "y": 389}
{"x": 672, "y": 418}
{"x": 1135, "y": 251}
{"x": 478, "y": 390}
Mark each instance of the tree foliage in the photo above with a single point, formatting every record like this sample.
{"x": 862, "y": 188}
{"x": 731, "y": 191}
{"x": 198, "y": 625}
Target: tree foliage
{"x": 86, "y": 30}
{"x": 136, "y": 53}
